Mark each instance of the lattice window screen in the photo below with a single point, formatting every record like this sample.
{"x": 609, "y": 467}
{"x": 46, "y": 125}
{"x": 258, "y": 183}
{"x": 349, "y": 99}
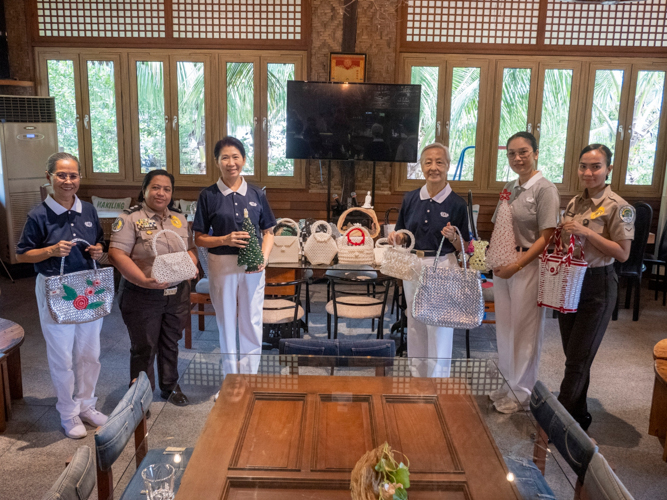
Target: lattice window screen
{"x": 109, "y": 19}
{"x": 504, "y": 22}
{"x": 642, "y": 24}
{"x": 238, "y": 19}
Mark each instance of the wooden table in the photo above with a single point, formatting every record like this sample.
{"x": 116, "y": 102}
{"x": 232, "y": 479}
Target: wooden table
{"x": 299, "y": 437}
{"x": 11, "y": 382}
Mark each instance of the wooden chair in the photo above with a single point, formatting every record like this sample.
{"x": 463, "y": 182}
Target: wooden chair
{"x": 5, "y": 398}
{"x": 659, "y": 263}
{"x": 11, "y": 339}
{"x": 282, "y": 312}
{"x": 657, "y": 424}
{"x": 199, "y": 299}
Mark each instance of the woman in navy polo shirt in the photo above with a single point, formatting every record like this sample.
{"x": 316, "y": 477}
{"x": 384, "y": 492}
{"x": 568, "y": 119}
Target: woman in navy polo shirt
{"x": 431, "y": 212}
{"x": 72, "y": 351}
{"x": 237, "y": 296}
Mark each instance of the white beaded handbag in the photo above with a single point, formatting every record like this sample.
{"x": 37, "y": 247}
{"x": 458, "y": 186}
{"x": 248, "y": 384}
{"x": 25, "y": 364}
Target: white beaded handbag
{"x": 399, "y": 262}
{"x": 172, "y": 267}
{"x": 286, "y": 249}
{"x": 356, "y": 246}
{"x": 320, "y": 247}
{"x": 381, "y": 247}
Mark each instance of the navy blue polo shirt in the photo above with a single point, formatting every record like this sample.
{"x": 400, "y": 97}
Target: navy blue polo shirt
{"x": 221, "y": 209}
{"x": 425, "y": 217}
{"x": 49, "y": 222}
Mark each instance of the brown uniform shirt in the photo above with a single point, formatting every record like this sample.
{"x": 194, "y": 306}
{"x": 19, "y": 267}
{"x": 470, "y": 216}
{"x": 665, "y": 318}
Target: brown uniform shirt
{"x": 607, "y": 214}
{"x": 133, "y": 233}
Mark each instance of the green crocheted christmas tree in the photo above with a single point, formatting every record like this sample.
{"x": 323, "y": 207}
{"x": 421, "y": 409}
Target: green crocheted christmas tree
{"x": 251, "y": 255}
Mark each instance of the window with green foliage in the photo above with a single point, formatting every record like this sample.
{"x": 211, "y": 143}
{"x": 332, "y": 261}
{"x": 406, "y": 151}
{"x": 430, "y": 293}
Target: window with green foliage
{"x": 103, "y": 126}
{"x": 553, "y": 126}
{"x": 152, "y": 134}
{"x": 278, "y": 74}
{"x": 645, "y": 127}
{"x": 427, "y": 77}
{"x": 191, "y": 118}
{"x": 62, "y": 88}
{"x": 606, "y": 106}
{"x": 513, "y": 115}
{"x": 463, "y": 122}
{"x": 241, "y": 108}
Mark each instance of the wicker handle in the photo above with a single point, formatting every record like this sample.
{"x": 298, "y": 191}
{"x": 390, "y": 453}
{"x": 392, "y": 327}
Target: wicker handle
{"x": 367, "y": 211}
{"x": 410, "y": 235}
{"x": 556, "y": 238}
{"x": 350, "y": 231}
{"x": 320, "y": 223}
{"x": 62, "y": 261}
{"x": 154, "y": 242}
{"x": 388, "y": 212}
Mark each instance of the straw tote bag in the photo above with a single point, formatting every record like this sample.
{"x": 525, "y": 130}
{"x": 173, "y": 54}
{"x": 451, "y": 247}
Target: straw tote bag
{"x": 82, "y": 296}
{"x": 374, "y": 230}
{"x": 399, "y": 262}
{"x": 449, "y": 296}
{"x": 561, "y": 276}
{"x": 320, "y": 247}
{"x": 172, "y": 267}
{"x": 286, "y": 248}
{"x": 356, "y": 246}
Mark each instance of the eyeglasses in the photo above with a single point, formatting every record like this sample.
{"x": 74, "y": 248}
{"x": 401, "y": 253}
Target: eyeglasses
{"x": 524, "y": 153}
{"x": 63, "y": 176}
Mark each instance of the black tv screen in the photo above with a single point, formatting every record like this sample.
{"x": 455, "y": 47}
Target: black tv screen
{"x": 352, "y": 121}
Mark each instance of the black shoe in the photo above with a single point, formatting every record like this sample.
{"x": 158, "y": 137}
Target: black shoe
{"x": 175, "y": 397}
{"x": 585, "y": 422}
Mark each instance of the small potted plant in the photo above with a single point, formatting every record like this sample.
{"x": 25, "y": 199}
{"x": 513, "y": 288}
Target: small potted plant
{"x": 379, "y": 476}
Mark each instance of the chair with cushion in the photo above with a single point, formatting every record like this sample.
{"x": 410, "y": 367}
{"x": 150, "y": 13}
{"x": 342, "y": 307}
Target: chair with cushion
{"x": 339, "y": 353}
{"x": 199, "y": 299}
{"x": 361, "y": 272}
{"x": 282, "y": 312}
{"x": 559, "y": 427}
{"x": 633, "y": 268}
{"x": 352, "y": 297}
{"x": 601, "y": 483}
{"x": 77, "y": 481}
{"x": 659, "y": 263}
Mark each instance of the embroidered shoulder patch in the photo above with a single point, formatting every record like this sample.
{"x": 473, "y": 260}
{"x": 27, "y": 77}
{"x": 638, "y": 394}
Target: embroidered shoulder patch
{"x": 117, "y": 225}
{"x": 627, "y": 213}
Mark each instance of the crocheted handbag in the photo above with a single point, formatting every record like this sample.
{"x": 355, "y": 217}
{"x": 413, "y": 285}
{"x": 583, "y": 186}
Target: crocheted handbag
{"x": 172, "y": 267}
{"x": 502, "y": 248}
{"x": 320, "y": 247}
{"x": 356, "y": 246}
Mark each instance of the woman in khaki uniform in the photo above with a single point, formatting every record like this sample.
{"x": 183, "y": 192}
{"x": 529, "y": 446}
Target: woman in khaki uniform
{"x": 154, "y": 313}
{"x": 605, "y": 223}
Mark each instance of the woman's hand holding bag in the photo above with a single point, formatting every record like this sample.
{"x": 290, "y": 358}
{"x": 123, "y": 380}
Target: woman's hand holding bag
{"x": 401, "y": 263}
{"x": 449, "y": 296}
{"x": 320, "y": 247}
{"x": 172, "y": 267}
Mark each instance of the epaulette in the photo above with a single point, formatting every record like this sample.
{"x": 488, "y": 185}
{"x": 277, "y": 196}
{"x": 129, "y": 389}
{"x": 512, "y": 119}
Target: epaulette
{"x": 177, "y": 210}
{"x": 133, "y": 209}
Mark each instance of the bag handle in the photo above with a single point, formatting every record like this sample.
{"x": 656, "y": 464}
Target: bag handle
{"x": 320, "y": 223}
{"x": 154, "y": 242}
{"x": 556, "y": 238}
{"x": 289, "y": 222}
{"x": 371, "y": 213}
{"x": 388, "y": 212}
{"x": 463, "y": 254}
{"x": 411, "y": 236}
{"x": 382, "y": 242}
{"x": 349, "y": 232}
{"x": 62, "y": 261}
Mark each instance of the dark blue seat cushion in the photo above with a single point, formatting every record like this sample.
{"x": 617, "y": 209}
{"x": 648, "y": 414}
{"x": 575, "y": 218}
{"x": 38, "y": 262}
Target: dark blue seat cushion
{"x": 328, "y": 352}
{"x": 528, "y": 479}
{"x": 157, "y": 456}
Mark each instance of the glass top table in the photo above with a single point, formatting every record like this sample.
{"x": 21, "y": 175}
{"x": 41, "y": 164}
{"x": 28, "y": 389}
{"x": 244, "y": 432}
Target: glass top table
{"x": 383, "y": 399}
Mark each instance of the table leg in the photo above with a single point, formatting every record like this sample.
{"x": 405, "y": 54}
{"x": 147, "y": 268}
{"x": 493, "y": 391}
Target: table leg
{"x": 15, "y": 377}
{"x": 6, "y": 408}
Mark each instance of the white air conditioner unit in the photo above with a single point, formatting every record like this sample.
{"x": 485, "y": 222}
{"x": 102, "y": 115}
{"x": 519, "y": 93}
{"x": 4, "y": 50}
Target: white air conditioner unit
{"x": 28, "y": 136}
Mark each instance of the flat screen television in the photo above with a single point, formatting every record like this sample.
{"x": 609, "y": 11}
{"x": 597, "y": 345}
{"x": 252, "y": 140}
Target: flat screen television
{"x": 352, "y": 121}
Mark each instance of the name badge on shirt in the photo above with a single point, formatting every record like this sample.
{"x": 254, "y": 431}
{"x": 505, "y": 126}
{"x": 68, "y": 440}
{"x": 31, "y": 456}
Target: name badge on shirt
{"x": 88, "y": 224}
{"x": 444, "y": 214}
{"x": 252, "y": 204}
{"x": 146, "y": 224}
{"x": 176, "y": 222}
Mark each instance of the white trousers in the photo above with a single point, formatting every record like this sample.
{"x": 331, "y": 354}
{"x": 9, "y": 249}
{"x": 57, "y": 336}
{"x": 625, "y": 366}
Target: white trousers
{"x": 73, "y": 354}
{"x": 425, "y": 341}
{"x": 519, "y": 329}
{"x": 238, "y": 300}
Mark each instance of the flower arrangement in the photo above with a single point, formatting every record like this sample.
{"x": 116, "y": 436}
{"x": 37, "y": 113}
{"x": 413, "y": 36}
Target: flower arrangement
{"x": 81, "y": 302}
{"x": 379, "y": 476}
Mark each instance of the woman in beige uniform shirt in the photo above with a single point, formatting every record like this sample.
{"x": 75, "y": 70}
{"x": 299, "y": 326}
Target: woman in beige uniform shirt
{"x": 605, "y": 223}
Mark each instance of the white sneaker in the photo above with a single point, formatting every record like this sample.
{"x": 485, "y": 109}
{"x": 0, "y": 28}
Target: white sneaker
{"x": 499, "y": 394}
{"x": 507, "y": 405}
{"x": 74, "y": 428}
{"x": 93, "y": 417}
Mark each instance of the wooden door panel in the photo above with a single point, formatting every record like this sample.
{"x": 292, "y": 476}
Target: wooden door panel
{"x": 344, "y": 431}
{"x": 272, "y": 434}
{"x": 418, "y": 429}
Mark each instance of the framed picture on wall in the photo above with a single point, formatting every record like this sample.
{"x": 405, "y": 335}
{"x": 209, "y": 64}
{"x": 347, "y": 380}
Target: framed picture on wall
{"x": 345, "y": 67}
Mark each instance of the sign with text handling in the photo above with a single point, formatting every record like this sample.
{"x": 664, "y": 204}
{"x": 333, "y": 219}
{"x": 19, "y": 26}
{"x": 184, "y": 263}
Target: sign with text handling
{"x": 352, "y": 121}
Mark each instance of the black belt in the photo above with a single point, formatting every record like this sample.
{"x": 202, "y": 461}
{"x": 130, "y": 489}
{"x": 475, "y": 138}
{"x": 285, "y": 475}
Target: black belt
{"x": 522, "y": 249}
{"x": 150, "y": 291}
{"x": 592, "y": 271}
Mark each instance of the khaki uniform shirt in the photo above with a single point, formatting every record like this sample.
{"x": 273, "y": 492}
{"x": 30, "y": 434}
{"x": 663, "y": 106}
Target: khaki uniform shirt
{"x": 607, "y": 214}
{"x": 134, "y": 230}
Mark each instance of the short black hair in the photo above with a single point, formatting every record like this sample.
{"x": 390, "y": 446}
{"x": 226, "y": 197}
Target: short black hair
{"x": 598, "y": 147}
{"x": 524, "y": 135}
{"x": 147, "y": 180}
{"x": 228, "y": 141}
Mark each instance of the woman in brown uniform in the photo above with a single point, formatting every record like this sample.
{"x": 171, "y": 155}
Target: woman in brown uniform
{"x": 605, "y": 223}
{"x": 154, "y": 313}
